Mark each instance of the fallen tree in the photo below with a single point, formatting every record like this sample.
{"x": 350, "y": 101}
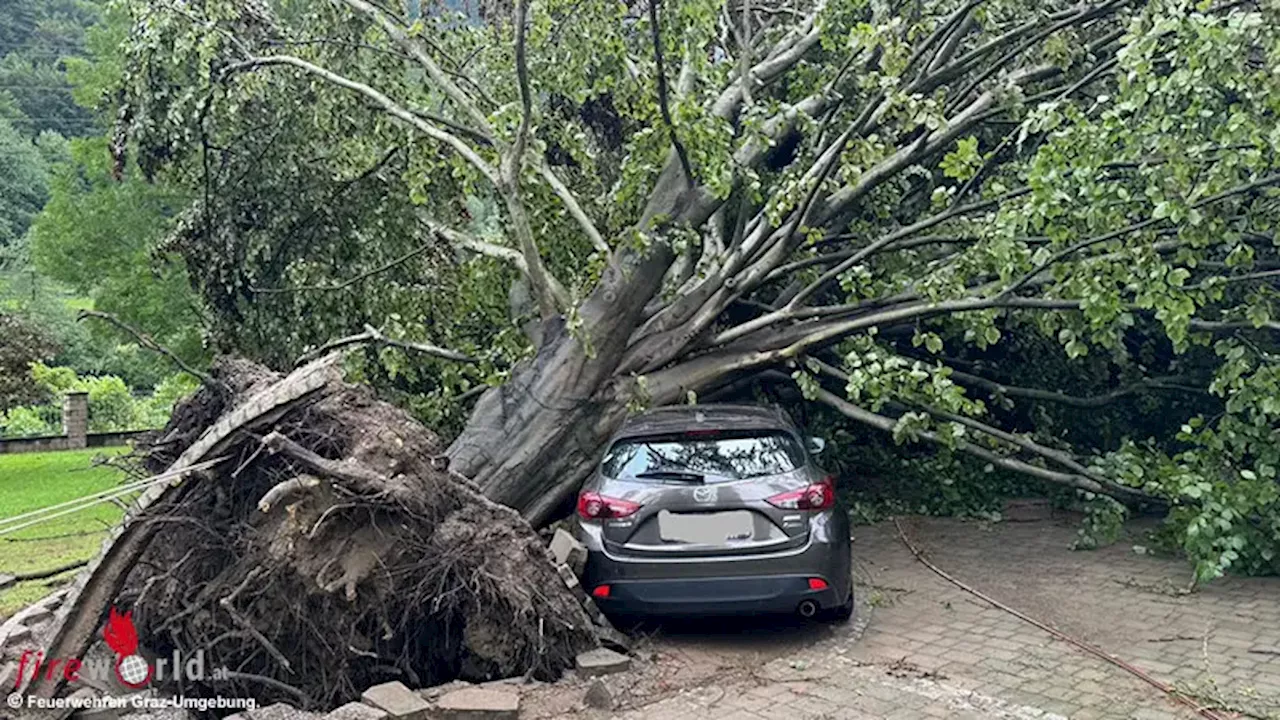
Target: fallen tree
{"x": 690, "y": 194}
{"x": 330, "y": 549}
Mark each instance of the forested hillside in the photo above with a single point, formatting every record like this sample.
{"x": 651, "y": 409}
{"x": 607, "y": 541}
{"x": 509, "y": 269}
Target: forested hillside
{"x": 73, "y": 236}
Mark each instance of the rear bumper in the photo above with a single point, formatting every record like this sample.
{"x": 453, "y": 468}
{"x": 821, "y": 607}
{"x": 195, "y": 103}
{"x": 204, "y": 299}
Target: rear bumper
{"x": 713, "y": 596}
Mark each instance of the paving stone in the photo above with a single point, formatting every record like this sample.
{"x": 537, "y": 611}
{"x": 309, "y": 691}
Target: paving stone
{"x": 399, "y": 702}
{"x": 602, "y": 661}
{"x": 281, "y": 711}
{"x": 356, "y": 711}
{"x": 478, "y": 704}
{"x": 435, "y": 691}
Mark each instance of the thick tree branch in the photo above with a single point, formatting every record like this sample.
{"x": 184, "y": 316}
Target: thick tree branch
{"x": 433, "y": 70}
{"x": 540, "y": 281}
{"x": 663, "y": 104}
{"x": 1056, "y": 396}
{"x": 887, "y": 424}
{"x": 944, "y": 30}
{"x": 515, "y": 157}
{"x": 147, "y": 342}
{"x": 793, "y": 308}
{"x": 388, "y": 105}
{"x": 372, "y": 335}
{"x": 1058, "y": 456}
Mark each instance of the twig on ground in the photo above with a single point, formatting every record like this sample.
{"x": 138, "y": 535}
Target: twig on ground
{"x": 1174, "y": 693}
{"x": 46, "y": 574}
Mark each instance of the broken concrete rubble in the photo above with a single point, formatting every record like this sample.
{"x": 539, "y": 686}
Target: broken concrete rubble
{"x": 566, "y": 550}
{"x": 397, "y": 701}
{"x": 598, "y": 696}
{"x": 601, "y": 661}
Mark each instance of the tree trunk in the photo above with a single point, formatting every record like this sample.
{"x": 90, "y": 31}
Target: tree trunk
{"x": 532, "y": 441}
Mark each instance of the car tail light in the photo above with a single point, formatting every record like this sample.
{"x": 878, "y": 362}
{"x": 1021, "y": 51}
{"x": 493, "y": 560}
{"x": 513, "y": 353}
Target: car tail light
{"x": 818, "y": 584}
{"x": 594, "y": 506}
{"x": 818, "y": 496}
{"x": 601, "y": 591}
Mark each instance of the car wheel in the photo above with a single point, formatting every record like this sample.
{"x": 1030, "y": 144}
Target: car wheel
{"x": 841, "y": 613}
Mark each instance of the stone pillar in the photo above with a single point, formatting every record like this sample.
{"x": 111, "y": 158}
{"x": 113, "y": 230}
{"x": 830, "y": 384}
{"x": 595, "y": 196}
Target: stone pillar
{"x": 75, "y": 419}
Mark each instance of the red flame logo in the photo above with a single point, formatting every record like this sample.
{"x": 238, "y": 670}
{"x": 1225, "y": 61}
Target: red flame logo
{"x": 131, "y": 669}
{"x": 120, "y": 634}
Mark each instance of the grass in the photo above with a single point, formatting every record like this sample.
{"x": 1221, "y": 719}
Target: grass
{"x": 31, "y": 481}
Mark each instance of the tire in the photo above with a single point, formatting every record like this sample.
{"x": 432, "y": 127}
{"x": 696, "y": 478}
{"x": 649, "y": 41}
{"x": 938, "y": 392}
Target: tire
{"x": 841, "y": 613}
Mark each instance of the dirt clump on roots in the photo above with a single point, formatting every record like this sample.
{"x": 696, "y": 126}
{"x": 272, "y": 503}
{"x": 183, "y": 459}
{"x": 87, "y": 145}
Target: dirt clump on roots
{"x": 333, "y": 550}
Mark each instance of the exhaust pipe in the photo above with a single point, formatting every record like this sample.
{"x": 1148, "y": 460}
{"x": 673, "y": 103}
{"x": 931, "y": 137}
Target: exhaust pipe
{"x": 807, "y": 609}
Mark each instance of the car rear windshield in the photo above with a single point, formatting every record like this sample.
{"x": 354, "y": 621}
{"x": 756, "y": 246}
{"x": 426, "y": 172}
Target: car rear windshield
{"x": 717, "y": 456}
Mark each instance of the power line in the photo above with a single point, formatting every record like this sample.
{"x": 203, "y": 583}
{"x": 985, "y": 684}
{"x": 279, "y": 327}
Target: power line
{"x": 83, "y": 121}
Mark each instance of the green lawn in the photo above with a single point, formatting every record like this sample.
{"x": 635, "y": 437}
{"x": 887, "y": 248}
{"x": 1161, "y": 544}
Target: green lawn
{"x": 30, "y": 481}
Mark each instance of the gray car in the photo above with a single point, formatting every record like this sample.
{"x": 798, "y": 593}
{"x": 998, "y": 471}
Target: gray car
{"x": 714, "y": 510}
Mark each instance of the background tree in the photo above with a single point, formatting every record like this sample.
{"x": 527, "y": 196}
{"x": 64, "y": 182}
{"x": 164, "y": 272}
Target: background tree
{"x": 21, "y": 345}
{"x": 23, "y": 184}
{"x": 96, "y": 235}
{"x": 859, "y": 195}
{"x": 36, "y": 36}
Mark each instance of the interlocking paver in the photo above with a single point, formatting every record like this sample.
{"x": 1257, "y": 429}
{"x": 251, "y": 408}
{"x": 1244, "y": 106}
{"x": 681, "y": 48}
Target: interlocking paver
{"x": 934, "y": 651}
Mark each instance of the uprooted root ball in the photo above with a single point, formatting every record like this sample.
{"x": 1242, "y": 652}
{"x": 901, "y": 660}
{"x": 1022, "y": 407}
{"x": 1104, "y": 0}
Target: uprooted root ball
{"x": 331, "y": 552}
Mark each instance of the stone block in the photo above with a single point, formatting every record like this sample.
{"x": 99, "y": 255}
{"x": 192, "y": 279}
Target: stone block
{"x": 478, "y": 704}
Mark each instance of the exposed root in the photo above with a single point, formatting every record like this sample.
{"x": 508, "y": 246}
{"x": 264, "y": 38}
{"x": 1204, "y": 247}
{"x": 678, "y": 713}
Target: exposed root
{"x": 334, "y": 551}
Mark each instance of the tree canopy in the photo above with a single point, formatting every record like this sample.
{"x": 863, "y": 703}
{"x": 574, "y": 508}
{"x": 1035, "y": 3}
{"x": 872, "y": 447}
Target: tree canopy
{"x": 607, "y": 205}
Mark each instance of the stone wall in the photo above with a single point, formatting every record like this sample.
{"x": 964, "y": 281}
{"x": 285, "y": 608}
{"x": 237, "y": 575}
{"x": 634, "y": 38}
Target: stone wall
{"x": 75, "y": 432}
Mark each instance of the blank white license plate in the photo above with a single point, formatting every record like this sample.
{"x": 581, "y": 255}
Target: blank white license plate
{"x": 705, "y": 528}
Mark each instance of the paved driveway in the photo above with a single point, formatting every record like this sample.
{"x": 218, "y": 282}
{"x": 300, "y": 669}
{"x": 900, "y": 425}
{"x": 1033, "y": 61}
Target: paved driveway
{"x": 926, "y": 649}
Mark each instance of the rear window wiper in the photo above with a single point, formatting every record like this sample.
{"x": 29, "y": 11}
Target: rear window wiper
{"x": 672, "y": 475}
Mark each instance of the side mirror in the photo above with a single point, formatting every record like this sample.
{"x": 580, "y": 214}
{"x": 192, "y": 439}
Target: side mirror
{"x": 816, "y": 445}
